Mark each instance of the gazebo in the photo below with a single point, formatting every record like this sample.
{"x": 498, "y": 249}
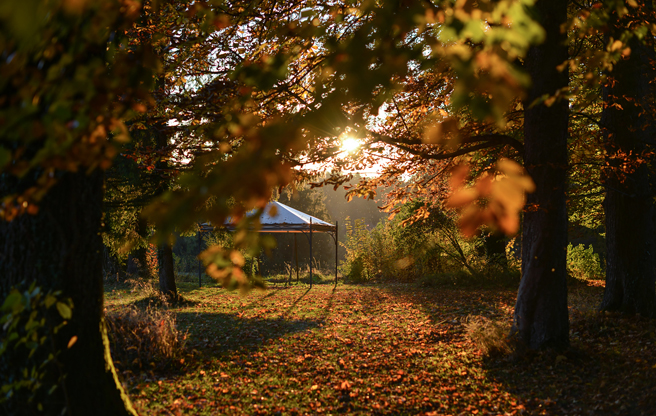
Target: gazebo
{"x": 285, "y": 220}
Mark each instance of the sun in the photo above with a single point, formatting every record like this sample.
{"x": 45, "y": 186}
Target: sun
{"x": 350, "y": 145}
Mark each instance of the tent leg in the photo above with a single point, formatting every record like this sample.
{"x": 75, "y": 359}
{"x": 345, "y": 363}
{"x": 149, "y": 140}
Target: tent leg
{"x": 291, "y": 268}
{"x": 298, "y": 278}
{"x": 199, "y": 242}
{"x": 336, "y": 249}
{"x": 311, "y": 253}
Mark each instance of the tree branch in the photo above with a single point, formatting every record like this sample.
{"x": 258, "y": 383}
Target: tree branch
{"x": 485, "y": 141}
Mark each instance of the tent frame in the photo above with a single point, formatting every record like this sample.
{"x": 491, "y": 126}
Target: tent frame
{"x": 306, "y": 229}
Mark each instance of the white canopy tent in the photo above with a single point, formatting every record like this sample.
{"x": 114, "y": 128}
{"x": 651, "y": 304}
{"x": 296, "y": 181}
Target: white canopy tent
{"x": 280, "y": 218}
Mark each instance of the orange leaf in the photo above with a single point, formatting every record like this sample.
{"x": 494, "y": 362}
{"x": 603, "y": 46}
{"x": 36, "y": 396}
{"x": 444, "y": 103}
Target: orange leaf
{"x": 72, "y": 341}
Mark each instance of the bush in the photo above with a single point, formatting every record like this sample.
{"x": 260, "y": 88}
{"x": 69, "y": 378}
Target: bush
{"x": 144, "y": 338}
{"x": 428, "y": 251}
{"x": 30, "y": 320}
{"x": 463, "y": 278}
{"x": 583, "y": 264}
{"x": 491, "y": 337}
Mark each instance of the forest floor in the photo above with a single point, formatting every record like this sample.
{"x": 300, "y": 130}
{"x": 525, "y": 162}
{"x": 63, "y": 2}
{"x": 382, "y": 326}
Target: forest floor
{"x": 387, "y": 349}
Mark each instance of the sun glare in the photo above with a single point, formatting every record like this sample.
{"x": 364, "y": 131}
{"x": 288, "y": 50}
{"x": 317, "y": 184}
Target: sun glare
{"x": 350, "y": 145}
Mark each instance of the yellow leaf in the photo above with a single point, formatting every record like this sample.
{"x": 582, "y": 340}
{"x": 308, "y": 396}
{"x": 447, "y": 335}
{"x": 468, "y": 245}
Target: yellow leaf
{"x": 617, "y": 45}
{"x": 509, "y": 167}
{"x": 64, "y": 310}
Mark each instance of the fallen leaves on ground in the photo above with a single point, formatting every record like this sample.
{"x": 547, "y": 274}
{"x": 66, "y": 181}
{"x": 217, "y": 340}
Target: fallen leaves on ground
{"x": 392, "y": 349}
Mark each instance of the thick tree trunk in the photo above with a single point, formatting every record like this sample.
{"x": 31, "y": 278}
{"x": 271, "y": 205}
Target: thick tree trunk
{"x": 60, "y": 248}
{"x": 629, "y": 206}
{"x": 541, "y": 317}
{"x": 166, "y": 273}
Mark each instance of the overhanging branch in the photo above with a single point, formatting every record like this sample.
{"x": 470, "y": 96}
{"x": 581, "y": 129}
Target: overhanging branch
{"x": 484, "y": 142}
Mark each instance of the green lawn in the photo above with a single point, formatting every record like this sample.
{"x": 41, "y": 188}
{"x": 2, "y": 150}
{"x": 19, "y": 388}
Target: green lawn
{"x": 387, "y": 349}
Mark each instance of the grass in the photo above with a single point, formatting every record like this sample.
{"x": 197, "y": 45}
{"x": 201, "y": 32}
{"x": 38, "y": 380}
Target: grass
{"x": 387, "y": 349}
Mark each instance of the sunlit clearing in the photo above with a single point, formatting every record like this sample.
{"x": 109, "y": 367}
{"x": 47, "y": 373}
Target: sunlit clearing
{"x": 350, "y": 145}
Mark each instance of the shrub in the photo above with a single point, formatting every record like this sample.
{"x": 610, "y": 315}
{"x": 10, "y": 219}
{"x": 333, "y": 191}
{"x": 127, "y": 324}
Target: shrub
{"x": 403, "y": 251}
{"x": 491, "y": 337}
{"x": 144, "y": 338}
{"x": 583, "y": 264}
{"x": 30, "y": 320}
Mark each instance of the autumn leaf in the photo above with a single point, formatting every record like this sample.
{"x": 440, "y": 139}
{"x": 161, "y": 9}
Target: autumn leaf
{"x": 496, "y": 199}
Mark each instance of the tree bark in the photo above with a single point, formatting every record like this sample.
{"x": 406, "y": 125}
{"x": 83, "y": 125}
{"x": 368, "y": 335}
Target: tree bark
{"x": 61, "y": 249}
{"x": 166, "y": 273}
{"x": 541, "y": 317}
{"x": 167, "y": 285}
{"x": 629, "y": 205}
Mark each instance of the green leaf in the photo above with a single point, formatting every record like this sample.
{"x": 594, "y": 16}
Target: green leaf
{"x": 50, "y": 300}
{"x": 64, "y": 310}
{"x": 13, "y": 302}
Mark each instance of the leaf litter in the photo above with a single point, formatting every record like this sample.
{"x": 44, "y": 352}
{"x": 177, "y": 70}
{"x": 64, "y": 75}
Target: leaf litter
{"x": 390, "y": 349}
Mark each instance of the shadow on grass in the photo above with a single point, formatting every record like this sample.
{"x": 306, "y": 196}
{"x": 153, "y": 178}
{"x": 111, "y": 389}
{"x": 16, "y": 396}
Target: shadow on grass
{"x": 454, "y": 305}
{"x": 213, "y": 334}
{"x": 159, "y": 301}
{"x": 608, "y": 370}
{"x": 293, "y": 305}
{"x": 270, "y": 293}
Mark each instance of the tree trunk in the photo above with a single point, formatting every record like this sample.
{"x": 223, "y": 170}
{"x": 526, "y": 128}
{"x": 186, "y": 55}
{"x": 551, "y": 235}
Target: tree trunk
{"x": 167, "y": 285}
{"x": 132, "y": 268}
{"x": 541, "y": 318}
{"x": 629, "y": 205}
{"x": 145, "y": 270}
{"x": 112, "y": 270}
{"x": 166, "y": 273}
{"x": 495, "y": 249}
{"x": 61, "y": 249}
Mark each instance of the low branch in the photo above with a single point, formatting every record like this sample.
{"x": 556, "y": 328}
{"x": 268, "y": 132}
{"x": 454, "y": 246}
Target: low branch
{"x": 485, "y": 141}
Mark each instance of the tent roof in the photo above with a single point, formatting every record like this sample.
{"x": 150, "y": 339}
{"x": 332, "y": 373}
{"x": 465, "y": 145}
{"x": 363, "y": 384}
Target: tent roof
{"x": 286, "y": 220}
